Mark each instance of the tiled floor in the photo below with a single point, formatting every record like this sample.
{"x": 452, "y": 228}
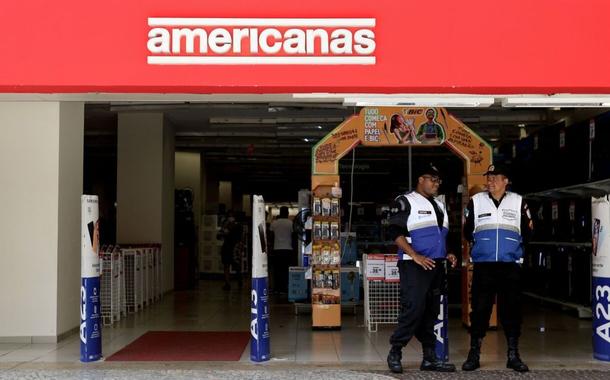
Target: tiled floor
{"x": 565, "y": 342}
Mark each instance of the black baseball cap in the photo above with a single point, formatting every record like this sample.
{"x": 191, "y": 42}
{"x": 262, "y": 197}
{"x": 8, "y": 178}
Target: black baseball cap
{"x": 428, "y": 169}
{"x": 496, "y": 169}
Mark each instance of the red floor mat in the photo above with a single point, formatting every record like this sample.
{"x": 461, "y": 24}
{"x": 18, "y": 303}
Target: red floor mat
{"x": 185, "y": 346}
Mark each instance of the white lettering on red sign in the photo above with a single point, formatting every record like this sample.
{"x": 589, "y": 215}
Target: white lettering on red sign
{"x": 201, "y": 41}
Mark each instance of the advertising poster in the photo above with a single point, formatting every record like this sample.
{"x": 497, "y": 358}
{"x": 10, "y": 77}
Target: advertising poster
{"x": 400, "y": 126}
{"x": 259, "y": 322}
{"x": 600, "y": 214}
{"x": 90, "y": 310}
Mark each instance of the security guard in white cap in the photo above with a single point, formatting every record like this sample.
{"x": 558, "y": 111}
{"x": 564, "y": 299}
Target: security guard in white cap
{"x": 497, "y": 222}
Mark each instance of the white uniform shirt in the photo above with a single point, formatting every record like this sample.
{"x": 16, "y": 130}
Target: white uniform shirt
{"x": 282, "y": 232}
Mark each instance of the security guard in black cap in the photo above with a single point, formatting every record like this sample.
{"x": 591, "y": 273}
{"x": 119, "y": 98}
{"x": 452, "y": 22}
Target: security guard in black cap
{"x": 497, "y": 222}
{"x": 419, "y": 226}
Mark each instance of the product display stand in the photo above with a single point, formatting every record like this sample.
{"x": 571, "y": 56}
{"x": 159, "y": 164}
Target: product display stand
{"x": 326, "y": 258}
{"x": 369, "y": 128}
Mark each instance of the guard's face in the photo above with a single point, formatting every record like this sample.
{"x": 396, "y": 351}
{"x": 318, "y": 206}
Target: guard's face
{"x": 430, "y": 184}
{"x": 430, "y": 115}
{"x": 496, "y": 183}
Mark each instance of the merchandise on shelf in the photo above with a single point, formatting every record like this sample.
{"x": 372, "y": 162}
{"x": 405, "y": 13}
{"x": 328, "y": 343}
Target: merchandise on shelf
{"x": 326, "y": 258}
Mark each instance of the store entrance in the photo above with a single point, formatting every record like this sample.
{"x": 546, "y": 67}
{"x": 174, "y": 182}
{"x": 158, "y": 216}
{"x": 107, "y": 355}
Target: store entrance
{"x": 266, "y": 149}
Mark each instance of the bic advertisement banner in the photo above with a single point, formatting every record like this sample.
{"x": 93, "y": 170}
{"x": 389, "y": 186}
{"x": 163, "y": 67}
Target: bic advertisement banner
{"x": 600, "y": 213}
{"x": 259, "y": 322}
{"x": 401, "y": 126}
{"x": 90, "y": 310}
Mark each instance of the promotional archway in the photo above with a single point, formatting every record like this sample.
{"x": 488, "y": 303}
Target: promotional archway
{"x": 419, "y": 127}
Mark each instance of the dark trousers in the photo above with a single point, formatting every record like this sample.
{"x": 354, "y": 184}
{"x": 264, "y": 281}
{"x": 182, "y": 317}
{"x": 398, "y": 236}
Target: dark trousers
{"x": 279, "y": 262}
{"x": 420, "y": 292}
{"x": 489, "y": 280}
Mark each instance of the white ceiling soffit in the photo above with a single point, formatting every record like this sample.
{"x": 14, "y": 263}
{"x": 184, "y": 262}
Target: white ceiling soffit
{"x": 425, "y": 100}
{"x": 345, "y": 99}
{"x": 560, "y": 100}
{"x": 461, "y": 100}
{"x": 457, "y": 101}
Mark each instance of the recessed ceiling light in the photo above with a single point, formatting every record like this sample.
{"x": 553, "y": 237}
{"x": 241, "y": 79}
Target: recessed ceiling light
{"x": 306, "y": 139}
{"x": 521, "y": 125}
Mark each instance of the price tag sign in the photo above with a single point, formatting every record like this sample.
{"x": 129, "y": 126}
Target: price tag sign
{"x": 391, "y": 269}
{"x": 375, "y": 267}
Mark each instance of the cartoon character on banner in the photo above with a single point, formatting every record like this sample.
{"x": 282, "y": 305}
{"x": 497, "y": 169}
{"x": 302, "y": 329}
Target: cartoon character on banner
{"x": 403, "y": 129}
{"x": 431, "y": 132}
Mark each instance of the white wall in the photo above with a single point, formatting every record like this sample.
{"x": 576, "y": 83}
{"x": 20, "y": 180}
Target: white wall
{"x": 145, "y": 184}
{"x": 40, "y": 186}
{"x": 70, "y": 189}
{"x": 139, "y": 178}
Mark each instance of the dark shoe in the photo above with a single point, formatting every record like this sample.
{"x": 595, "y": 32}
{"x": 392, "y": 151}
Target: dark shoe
{"x": 514, "y": 361}
{"x": 226, "y": 286}
{"x": 394, "y": 358}
{"x": 432, "y": 363}
{"x": 472, "y": 361}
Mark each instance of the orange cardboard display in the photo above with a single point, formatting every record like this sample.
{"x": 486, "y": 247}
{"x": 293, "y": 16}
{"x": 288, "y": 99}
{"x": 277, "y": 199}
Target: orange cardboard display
{"x": 407, "y": 126}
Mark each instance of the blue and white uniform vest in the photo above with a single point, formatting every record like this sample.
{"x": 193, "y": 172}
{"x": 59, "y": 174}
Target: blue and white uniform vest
{"x": 426, "y": 237}
{"x": 497, "y": 230}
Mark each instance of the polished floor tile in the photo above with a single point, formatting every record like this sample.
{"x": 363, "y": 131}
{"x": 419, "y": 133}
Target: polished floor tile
{"x": 550, "y": 338}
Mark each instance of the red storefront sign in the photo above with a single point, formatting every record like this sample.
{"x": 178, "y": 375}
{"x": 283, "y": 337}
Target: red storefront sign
{"x": 386, "y": 46}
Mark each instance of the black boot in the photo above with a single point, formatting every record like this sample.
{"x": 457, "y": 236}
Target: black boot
{"x": 474, "y": 355}
{"x": 514, "y": 361}
{"x": 394, "y": 358}
{"x": 432, "y": 363}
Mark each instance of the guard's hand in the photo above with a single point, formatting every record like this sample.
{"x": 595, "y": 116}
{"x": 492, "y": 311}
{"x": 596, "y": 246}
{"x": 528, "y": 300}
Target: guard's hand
{"x": 424, "y": 262}
{"x": 452, "y": 259}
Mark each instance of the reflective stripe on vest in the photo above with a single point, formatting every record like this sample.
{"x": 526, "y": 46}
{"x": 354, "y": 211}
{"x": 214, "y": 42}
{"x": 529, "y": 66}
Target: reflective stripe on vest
{"x": 426, "y": 237}
{"x": 497, "y": 230}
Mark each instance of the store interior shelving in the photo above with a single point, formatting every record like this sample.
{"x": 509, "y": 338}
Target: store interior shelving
{"x": 557, "y": 262}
